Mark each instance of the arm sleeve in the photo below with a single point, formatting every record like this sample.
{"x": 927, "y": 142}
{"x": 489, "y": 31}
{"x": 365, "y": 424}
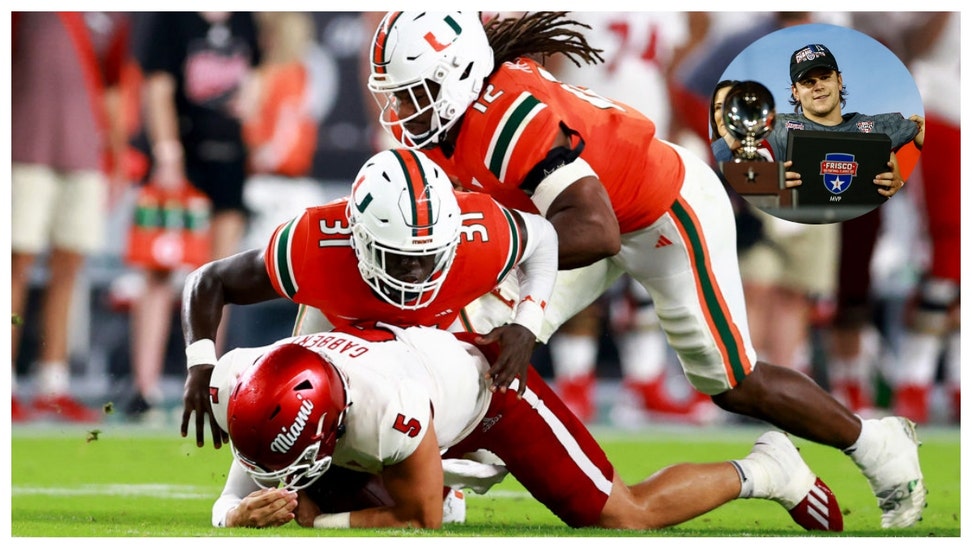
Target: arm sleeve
{"x": 904, "y": 130}
{"x": 283, "y": 255}
{"x": 537, "y": 271}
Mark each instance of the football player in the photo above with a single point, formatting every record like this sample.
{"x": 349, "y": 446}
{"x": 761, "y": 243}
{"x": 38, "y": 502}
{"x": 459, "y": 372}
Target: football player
{"x": 388, "y": 401}
{"x": 478, "y": 101}
{"x": 403, "y": 248}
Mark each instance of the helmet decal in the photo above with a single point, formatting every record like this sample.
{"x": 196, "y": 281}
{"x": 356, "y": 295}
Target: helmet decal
{"x": 285, "y": 440}
{"x": 422, "y": 219}
{"x": 426, "y": 69}
{"x": 438, "y": 46}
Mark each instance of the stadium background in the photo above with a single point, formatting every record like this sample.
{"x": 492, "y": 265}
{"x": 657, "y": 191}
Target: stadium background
{"x": 99, "y": 359}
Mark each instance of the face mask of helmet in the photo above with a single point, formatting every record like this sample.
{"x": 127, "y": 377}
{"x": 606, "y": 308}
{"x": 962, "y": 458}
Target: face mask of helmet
{"x": 426, "y": 69}
{"x": 301, "y": 473}
{"x": 381, "y": 271}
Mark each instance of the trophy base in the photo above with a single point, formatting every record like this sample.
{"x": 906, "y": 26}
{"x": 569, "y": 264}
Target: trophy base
{"x": 761, "y": 183}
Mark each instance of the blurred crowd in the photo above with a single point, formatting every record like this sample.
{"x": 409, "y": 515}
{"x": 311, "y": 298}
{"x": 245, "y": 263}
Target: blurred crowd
{"x": 146, "y": 144}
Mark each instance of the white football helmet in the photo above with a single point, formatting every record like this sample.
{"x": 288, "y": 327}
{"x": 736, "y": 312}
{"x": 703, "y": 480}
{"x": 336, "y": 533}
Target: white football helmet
{"x": 402, "y": 207}
{"x": 411, "y": 49}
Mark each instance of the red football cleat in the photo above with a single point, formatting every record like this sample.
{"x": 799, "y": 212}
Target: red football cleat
{"x": 911, "y": 401}
{"x": 791, "y": 483}
{"x": 819, "y": 510}
{"x": 19, "y": 412}
{"x": 66, "y": 408}
{"x": 578, "y": 394}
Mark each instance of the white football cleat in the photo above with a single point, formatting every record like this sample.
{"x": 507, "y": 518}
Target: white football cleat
{"x": 793, "y": 485}
{"x": 454, "y": 507}
{"x": 894, "y": 473}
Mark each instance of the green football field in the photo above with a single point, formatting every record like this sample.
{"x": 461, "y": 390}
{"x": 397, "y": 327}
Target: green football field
{"x": 150, "y": 482}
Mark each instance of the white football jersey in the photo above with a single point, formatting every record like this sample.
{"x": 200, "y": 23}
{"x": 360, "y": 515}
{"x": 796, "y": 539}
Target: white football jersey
{"x": 394, "y": 387}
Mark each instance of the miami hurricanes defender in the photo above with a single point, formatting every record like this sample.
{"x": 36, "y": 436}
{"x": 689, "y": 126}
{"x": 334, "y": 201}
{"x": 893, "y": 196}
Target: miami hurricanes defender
{"x": 403, "y": 248}
{"x": 389, "y": 401}
{"x": 621, "y": 200}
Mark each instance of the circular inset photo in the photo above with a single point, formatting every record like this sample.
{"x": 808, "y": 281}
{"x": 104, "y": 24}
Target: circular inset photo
{"x": 816, "y": 124}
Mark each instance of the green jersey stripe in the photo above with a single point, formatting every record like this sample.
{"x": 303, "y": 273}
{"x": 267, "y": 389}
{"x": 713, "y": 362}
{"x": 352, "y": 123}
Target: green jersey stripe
{"x": 515, "y": 240}
{"x": 282, "y": 259}
{"x": 512, "y": 125}
{"x": 722, "y": 323}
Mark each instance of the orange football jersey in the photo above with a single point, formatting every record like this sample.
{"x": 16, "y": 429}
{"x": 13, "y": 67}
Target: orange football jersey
{"x": 310, "y": 261}
{"x": 512, "y": 125}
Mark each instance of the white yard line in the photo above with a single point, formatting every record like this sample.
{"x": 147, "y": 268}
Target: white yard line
{"x": 172, "y": 491}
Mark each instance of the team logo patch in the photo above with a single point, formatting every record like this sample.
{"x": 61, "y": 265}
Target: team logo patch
{"x": 866, "y": 126}
{"x": 838, "y": 170}
{"x": 790, "y": 124}
{"x": 522, "y": 67}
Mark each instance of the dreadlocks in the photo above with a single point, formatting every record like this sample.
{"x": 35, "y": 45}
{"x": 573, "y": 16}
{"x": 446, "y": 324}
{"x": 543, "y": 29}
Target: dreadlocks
{"x": 540, "y": 34}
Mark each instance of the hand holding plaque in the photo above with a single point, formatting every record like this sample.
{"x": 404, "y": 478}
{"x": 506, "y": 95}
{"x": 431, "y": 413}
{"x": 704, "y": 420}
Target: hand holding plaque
{"x": 749, "y": 113}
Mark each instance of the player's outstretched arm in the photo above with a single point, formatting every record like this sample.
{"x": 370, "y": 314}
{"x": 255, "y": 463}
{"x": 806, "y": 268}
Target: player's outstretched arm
{"x": 238, "y": 279}
{"x": 536, "y": 274}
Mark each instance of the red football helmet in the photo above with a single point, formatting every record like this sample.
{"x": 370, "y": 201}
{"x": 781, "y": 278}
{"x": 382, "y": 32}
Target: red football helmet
{"x": 285, "y": 416}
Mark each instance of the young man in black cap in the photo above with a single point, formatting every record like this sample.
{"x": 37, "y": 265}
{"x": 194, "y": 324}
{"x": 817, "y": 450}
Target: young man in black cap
{"x": 818, "y": 95}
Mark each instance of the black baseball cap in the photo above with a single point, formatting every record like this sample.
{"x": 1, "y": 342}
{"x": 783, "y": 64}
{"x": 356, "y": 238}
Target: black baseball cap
{"x": 808, "y": 57}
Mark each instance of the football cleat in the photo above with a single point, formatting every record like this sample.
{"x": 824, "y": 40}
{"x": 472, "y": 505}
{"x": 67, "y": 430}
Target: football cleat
{"x": 453, "y": 506}
{"x": 19, "y": 412}
{"x": 64, "y": 408}
{"x": 792, "y": 484}
{"x": 818, "y": 510}
{"x": 895, "y": 476}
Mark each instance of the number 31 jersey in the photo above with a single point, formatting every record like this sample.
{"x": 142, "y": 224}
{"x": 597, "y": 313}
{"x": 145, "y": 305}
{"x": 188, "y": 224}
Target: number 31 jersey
{"x": 310, "y": 261}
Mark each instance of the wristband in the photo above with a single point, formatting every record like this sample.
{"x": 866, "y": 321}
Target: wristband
{"x": 529, "y": 314}
{"x": 201, "y": 352}
{"x": 333, "y": 520}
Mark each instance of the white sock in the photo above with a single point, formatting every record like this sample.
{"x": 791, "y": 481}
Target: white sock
{"x": 53, "y": 379}
{"x": 952, "y": 364}
{"x": 573, "y": 355}
{"x": 918, "y": 358}
{"x": 863, "y": 450}
{"x": 848, "y": 369}
{"x": 154, "y": 396}
{"x": 754, "y": 478}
